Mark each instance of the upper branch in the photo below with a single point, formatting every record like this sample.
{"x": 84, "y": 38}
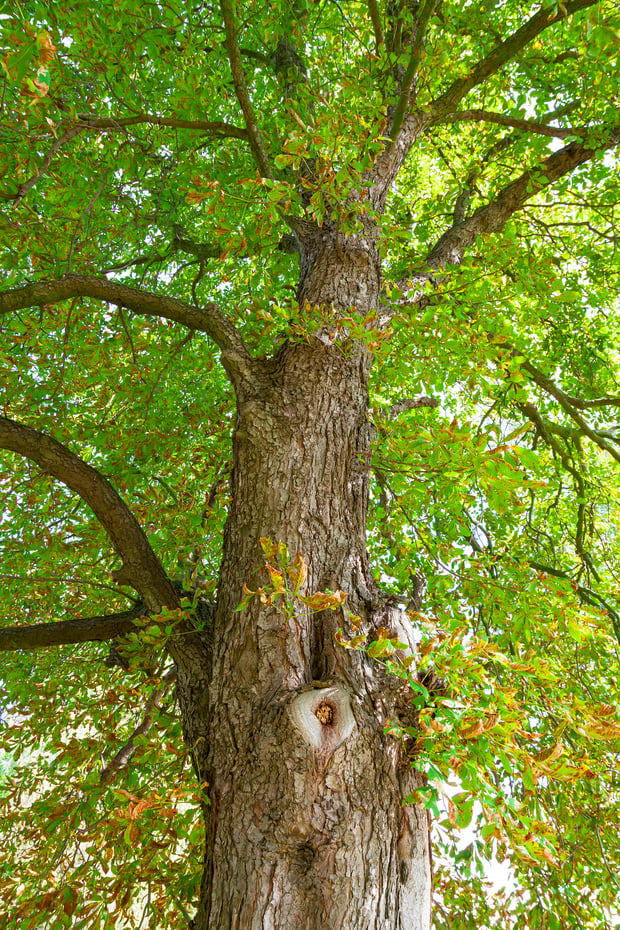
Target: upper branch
{"x": 214, "y": 127}
{"x": 416, "y": 121}
{"x": 596, "y": 436}
{"x": 414, "y": 60}
{"x": 505, "y": 52}
{"x": 552, "y": 388}
{"x": 141, "y": 567}
{"x": 451, "y": 247}
{"x": 25, "y": 186}
{"x": 527, "y": 125}
{"x": 66, "y": 632}
{"x": 376, "y": 23}
{"x": 208, "y": 319}
{"x": 241, "y": 90}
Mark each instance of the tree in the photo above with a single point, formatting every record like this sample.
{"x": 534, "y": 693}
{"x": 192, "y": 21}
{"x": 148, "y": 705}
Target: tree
{"x": 309, "y": 322}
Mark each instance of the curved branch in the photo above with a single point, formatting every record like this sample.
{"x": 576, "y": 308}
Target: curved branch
{"x": 141, "y": 567}
{"x": 527, "y": 125}
{"x": 208, "y": 319}
{"x": 427, "y": 10}
{"x": 543, "y": 381}
{"x": 124, "y": 754}
{"x": 564, "y": 401}
{"x": 67, "y": 632}
{"x": 241, "y": 90}
{"x": 451, "y": 247}
{"x": 25, "y": 186}
{"x": 217, "y": 128}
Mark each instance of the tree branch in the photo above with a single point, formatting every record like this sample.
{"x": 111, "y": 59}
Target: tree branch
{"x": 23, "y": 188}
{"x": 234, "y": 57}
{"x": 203, "y": 251}
{"x": 564, "y": 401}
{"x": 208, "y": 319}
{"x": 67, "y": 632}
{"x": 527, "y": 125}
{"x": 217, "y": 128}
{"x": 124, "y": 754}
{"x": 141, "y": 567}
{"x": 451, "y": 247}
{"x": 412, "y": 66}
{"x": 376, "y": 23}
{"x": 505, "y": 52}
{"x": 415, "y": 122}
{"x": 410, "y": 403}
{"x": 551, "y": 387}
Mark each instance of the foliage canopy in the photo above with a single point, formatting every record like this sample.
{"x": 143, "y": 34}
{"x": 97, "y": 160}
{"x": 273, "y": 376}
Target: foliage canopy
{"x": 174, "y": 148}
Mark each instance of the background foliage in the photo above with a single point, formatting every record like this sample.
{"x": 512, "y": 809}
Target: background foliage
{"x": 122, "y": 153}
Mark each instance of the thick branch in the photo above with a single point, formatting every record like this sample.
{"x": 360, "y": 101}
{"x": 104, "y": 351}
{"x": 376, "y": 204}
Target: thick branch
{"x": 450, "y": 249}
{"x": 505, "y": 52}
{"x": 241, "y": 90}
{"x": 67, "y": 632}
{"x": 141, "y": 567}
{"x": 208, "y": 319}
{"x": 410, "y": 403}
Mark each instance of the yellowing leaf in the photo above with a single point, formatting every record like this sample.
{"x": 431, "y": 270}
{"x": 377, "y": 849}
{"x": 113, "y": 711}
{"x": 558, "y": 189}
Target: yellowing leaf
{"x": 472, "y": 730}
{"x": 598, "y": 730}
{"x": 269, "y": 548}
{"x": 327, "y": 600}
{"x": 551, "y": 754}
{"x": 131, "y": 834}
{"x": 277, "y": 580}
{"x": 490, "y": 721}
{"x": 452, "y": 812}
{"x": 47, "y": 49}
{"x": 298, "y": 573}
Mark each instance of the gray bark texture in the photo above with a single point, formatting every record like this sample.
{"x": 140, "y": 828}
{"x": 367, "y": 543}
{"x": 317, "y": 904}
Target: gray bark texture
{"x": 306, "y": 825}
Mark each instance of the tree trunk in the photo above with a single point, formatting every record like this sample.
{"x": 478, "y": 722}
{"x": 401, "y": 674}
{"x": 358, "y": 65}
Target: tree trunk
{"x": 306, "y": 825}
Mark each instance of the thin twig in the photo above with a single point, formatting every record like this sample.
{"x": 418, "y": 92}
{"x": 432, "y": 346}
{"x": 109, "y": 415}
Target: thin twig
{"x": 124, "y": 754}
{"x": 84, "y": 212}
{"x": 27, "y": 185}
{"x": 528, "y": 125}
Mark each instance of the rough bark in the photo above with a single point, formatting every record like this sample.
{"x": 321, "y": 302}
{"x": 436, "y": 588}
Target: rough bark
{"x": 306, "y": 824}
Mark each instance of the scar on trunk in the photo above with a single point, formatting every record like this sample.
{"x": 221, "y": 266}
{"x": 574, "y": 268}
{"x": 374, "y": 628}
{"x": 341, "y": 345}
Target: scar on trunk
{"x": 323, "y": 716}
